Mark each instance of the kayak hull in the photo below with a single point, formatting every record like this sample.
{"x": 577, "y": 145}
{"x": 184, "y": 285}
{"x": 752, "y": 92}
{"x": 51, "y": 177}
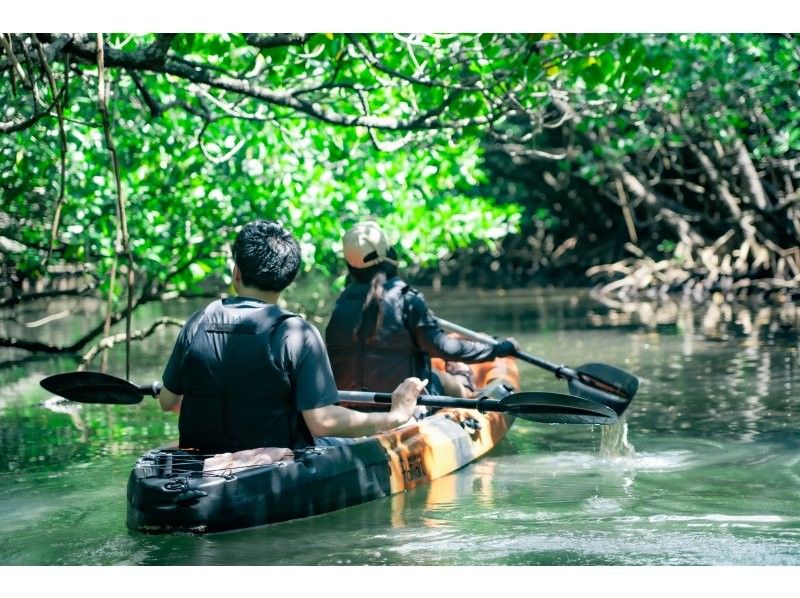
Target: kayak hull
{"x": 168, "y": 491}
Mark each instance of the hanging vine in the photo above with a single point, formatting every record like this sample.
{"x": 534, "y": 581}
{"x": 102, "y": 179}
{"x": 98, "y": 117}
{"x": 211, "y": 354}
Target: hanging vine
{"x": 122, "y": 217}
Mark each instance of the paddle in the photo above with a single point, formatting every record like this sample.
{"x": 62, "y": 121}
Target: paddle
{"x": 547, "y": 407}
{"x": 598, "y": 382}
{"x": 543, "y": 407}
{"x": 97, "y": 387}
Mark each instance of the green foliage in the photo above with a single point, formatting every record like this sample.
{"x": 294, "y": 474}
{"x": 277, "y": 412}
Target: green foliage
{"x": 210, "y": 158}
{"x": 718, "y": 87}
{"x": 192, "y": 176}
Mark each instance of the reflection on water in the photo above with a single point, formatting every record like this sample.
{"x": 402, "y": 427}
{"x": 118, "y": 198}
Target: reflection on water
{"x": 716, "y": 318}
{"x": 703, "y": 468}
{"x": 73, "y": 410}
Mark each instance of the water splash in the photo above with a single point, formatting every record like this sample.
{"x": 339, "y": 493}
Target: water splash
{"x": 614, "y": 440}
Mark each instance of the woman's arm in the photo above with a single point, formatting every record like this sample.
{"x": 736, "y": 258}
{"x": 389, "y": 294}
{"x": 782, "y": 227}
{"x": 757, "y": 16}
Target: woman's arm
{"x": 430, "y": 337}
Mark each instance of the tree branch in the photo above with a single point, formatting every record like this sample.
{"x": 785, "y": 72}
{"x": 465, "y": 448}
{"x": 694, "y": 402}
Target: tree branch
{"x": 36, "y": 96}
{"x": 370, "y": 56}
{"x": 276, "y": 40}
{"x": 753, "y": 183}
{"x": 17, "y": 299}
{"x": 62, "y": 137}
{"x": 155, "y": 108}
{"x": 81, "y": 342}
{"x": 151, "y": 57}
{"x": 109, "y": 341}
{"x": 156, "y": 58}
{"x": 288, "y": 99}
{"x": 21, "y": 124}
{"x": 12, "y": 58}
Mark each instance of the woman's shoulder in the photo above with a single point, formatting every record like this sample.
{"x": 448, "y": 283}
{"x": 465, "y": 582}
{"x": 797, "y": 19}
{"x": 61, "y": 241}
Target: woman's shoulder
{"x": 406, "y": 289}
{"x": 395, "y": 282}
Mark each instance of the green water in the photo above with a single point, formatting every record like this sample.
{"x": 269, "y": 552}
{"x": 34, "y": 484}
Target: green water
{"x": 711, "y": 474}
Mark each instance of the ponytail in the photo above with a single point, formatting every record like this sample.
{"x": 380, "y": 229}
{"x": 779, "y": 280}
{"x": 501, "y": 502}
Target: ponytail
{"x": 372, "y": 311}
{"x": 371, "y": 320}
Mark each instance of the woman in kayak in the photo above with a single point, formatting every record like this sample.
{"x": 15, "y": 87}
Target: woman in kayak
{"x": 381, "y": 330}
{"x": 245, "y": 373}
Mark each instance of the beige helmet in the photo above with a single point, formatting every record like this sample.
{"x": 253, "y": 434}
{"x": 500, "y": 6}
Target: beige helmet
{"x": 366, "y": 245}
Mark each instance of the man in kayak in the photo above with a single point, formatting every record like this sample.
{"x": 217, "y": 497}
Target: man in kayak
{"x": 381, "y": 330}
{"x": 245, "y": 373}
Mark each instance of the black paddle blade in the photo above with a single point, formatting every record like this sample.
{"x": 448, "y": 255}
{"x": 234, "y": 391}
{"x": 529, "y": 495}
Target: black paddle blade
{"x": 93, "y": 387}
{"x": 556, "y": 408}
{"x": 617, "y": 403}
{"x": 622, "y": 382}
{"x": 604, "y": 384}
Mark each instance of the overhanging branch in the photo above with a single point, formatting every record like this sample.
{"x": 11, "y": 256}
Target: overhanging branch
{"x": 276, "y": 40}
{"x": 151, "y": 57}
{"x": 157, "y": 58}
{"x": 287, "y": 99}
{"x": 20, "y": 124}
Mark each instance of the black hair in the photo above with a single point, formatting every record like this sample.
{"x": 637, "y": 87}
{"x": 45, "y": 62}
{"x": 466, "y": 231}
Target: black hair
{"x": 267, "y": 255}
{"x": 372, "y": 311}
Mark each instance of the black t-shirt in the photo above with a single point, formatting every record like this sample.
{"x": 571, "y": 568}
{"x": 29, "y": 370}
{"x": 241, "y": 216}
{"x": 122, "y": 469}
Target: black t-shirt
{"x": 246, "y": 369}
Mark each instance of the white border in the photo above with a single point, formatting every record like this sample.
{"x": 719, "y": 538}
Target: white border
{"x": 402, "y": 15}
{"x": 402, "y": 582}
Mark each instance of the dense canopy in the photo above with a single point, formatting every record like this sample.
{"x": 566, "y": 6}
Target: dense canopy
{"x": 557, "y": 148}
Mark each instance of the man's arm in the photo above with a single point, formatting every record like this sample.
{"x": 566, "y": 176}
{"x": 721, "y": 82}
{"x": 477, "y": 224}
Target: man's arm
{"x": 169, "y": 401}
{"x": 335, "y": 420}
{"x": 316, "y": 395}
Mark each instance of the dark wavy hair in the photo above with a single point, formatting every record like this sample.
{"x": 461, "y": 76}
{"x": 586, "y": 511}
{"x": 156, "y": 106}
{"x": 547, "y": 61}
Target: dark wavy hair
{"x": 267, "y": 255}
{"x": 369, "y": 325}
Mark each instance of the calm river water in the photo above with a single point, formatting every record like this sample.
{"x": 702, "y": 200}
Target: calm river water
{"x": 710, "y": 473}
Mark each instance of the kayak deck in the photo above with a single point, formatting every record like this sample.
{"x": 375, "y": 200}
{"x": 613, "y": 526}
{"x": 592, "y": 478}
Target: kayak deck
{"x": 169, "y": 491}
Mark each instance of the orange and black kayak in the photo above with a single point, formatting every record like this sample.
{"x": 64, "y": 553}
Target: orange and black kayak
{"x": 169, "y": 489}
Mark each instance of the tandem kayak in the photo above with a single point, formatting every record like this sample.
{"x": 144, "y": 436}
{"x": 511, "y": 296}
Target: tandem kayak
{"x": 169, "y": 490}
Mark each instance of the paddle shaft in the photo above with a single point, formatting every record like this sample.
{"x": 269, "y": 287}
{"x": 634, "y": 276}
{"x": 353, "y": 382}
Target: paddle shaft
{"x": 153, "y": 389}
{"x": 545, "y": 407}
{"x": 150, "y": 390}
{"x": 374, "y": 397}
{"x": 561, "y": 371}
{"x": 354, "y": 396}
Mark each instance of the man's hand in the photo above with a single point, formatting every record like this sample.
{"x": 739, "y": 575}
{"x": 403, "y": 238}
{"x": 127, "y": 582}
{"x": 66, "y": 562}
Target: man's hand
{"x": 404, "y": 399}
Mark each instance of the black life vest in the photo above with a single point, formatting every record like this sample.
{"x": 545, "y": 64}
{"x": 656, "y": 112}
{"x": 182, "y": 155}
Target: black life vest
{"x": 236, "y": 394}
{"x": 381, "y": 364}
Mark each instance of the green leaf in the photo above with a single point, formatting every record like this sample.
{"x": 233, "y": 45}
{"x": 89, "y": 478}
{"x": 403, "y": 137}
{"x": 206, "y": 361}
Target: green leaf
{"x": 593, "y": 75}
